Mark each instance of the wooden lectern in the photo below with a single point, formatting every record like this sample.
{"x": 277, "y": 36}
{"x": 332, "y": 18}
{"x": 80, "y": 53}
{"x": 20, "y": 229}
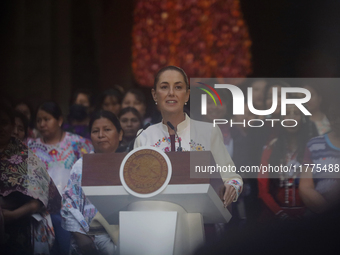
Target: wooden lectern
{"x": 168, "y": 223}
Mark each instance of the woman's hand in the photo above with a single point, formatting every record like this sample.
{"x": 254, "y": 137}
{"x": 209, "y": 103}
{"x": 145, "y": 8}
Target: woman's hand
{"x": 27, "y": 209}
{"x": 229, "y": 195}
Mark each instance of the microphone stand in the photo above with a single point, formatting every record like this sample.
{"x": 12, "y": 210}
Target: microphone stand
{"x": 133, "y": 141}
{"x": 179, "y": 140}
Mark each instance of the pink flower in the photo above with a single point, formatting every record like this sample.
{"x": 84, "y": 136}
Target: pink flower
{"x": 166, "y": 149}
{"x": 15, "y": 159}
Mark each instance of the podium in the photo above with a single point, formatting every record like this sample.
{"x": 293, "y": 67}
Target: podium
{"x": 168, "y": 223}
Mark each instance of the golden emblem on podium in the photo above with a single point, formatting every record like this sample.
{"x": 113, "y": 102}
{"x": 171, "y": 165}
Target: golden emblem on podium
{"x": 145, "y": 172}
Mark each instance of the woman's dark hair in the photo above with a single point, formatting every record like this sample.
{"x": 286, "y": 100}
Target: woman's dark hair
{"x": 174, "y": 68}
{"x": 138, "y": 94}
{"x": 29, "y": 106}
{"x": 23, "y": 119}
{"x": 51, "y": 108}
{"x": 86, "y": 92}
{"x": 105, "y": 114}
{"x": 279, "y": 152}
{"x": 280, "y": 147}
{"x": 130, "y": 109}
{"x": 109, "y": 92}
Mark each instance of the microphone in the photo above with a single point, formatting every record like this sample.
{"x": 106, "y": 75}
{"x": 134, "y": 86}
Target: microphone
{"x": 144, "y": 127}
{"x": 179, "y": 140}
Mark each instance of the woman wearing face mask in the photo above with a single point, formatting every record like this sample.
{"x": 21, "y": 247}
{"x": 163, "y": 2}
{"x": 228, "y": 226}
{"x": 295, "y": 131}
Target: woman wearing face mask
{"x": 77, "y": 210}
{"x": 21, "y": 127}
{"x": 27, "y": 195}
{"x": 279, "y": 191}
{"x": 170, "y": 93}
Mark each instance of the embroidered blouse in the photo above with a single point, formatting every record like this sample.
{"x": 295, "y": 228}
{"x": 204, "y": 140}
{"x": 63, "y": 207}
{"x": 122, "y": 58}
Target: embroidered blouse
{"x": 194, "y": 136}
{"x": 77, "y": 211}
{"x": 22, "y": 171}
{"x": 59, "y": 158}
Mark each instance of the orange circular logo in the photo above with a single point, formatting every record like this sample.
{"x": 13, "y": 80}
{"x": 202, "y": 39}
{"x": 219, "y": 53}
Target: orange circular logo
{"x": 145, "y": 171}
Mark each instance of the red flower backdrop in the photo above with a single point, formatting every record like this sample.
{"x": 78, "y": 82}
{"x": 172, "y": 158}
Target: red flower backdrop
{"x": 207, "y": 38}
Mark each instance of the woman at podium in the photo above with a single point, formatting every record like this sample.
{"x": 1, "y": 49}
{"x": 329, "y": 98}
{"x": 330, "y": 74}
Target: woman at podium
{"x": 177, "y": 132}
{"x": 77, "y": 211}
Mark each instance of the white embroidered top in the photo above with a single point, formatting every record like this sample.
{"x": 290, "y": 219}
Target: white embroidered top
{"x": 194, "y": 136}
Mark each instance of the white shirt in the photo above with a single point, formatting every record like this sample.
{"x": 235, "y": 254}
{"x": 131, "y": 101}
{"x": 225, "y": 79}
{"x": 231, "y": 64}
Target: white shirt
{"x": 195, "y": 136}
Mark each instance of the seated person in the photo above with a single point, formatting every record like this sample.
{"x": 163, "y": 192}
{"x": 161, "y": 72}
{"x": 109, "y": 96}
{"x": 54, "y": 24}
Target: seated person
{"x": 27, "y": 195}
{"x": 77, "y": 211}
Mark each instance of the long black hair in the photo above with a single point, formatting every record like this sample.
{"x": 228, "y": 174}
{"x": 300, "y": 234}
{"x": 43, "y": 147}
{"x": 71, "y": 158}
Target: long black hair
{"x": 105, "y": 114}
{"x": 280, "y": 148}
{"x": 23, "y": 119}
{"x": 109, "y": 92}
{"x": 51, "y": 108}
{"x": 133, "y": 111}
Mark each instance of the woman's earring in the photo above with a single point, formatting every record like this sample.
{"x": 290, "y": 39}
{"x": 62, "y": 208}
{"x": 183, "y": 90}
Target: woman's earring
{"x": 156, "y": 102}
{"x": 185, "y": 103}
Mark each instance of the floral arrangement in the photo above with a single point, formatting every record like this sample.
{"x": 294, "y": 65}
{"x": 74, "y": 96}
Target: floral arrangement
{"x": 207, "y": 38}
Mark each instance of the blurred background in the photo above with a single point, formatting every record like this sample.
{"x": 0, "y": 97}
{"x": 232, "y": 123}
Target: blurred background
{"x": 49, "y": 49}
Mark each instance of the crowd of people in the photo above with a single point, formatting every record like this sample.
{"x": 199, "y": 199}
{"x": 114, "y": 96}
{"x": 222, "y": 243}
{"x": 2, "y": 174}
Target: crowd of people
{"x": 43, "y": 209}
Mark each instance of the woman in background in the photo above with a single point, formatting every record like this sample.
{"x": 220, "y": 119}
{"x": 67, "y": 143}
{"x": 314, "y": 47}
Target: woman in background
{"x": 320, "y": 187}
{"x": 78, "y": 121}
{"x": 136, "y": 99}
{"x": 258, "y": 138}
{"x": 77, "y": 210}
{"x": 279, "y": 191}
{"x": 59, "y": 150}
{"x": 82, "y": 97}
{"x": 110, "y": 100}
{"x": 27, "y": 195}
{"x": 131, "y": 122}
{"x": 26, "y": 110}
{"x": 20, "y": 130}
